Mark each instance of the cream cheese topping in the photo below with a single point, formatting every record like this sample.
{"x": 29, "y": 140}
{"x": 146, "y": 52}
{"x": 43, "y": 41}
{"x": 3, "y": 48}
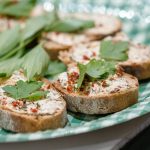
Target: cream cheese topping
{"x": 139, "y": 53}
{"x": 85, "y": 52}
{"x": 67, "y": 39}
{"x": 50, "y": 105}
{"x": 112, "y": 84}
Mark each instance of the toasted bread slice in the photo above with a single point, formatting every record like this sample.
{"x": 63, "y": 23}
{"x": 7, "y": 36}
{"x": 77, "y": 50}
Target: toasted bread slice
{"x": 100, "y": 97}
{"x": 105, "y": 25}
{"x": 31, "y": 116}
{"x": 137, "y": 64}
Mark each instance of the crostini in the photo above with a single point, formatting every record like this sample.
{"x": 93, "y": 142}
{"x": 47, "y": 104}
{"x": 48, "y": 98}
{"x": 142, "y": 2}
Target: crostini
{"x": 137, "y": 62}
{"x": 43, "y": 109}
{"x": 104, "y": 25}
{"x": 103, "y": 90}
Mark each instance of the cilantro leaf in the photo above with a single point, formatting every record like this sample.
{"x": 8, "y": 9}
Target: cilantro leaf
{"x": 24, "y": 90}
{"x": 114, "y": 50}
{"x": 95, "y": 69}
{"x": 55, "y": 67}
{"x": 82, "y": 70}
{"x": 71, "y": 25}
{"x": 35, "y": 62}
{"x": 37, "y": 95}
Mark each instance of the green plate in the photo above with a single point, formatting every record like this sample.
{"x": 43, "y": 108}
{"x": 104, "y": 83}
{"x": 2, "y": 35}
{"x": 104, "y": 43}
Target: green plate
{"x": 135, "y": 15}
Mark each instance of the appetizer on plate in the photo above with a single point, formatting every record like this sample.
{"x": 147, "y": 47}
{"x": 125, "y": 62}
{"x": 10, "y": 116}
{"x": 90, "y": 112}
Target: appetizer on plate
{"x": 133, "y": 58}
{"x": 30, "y": 106}
{"x": 97, "y": 88}
{"x": 77, "y": 29}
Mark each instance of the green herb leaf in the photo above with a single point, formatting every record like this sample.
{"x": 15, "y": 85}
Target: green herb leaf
{"x": 37, "y": 95}
{"x": 22, "y": 89}
{"x": 114, "y": 50}
{"x": 71, "y": 25}
{"x": 82, "y": 70}
{"x": 55, "y": 67}
{"x": 19, "y": 9}
{"x": 95, "y": 69}
{"x": 7, "y": 67}
{"x": 9, "y": 39}
{"x": 35, "y": 62}
{"x": 33, "y": 26}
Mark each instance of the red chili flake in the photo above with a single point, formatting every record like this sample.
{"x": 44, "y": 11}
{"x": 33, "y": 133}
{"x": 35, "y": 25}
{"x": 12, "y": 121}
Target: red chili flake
{"x": 94, "y": 54}
{"x": 86, "y": 57}
{"x": 15, "y": 103}
{"x": 119, "y": 72}
{"x": 34, "y": 110}
{"x": 104, "y": 84}
{"x": 69, "y": 88}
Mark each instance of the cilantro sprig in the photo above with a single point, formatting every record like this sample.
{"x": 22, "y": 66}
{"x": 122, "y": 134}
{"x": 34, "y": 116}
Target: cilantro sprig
{"x": 25, "y": 90}
{"x": 116, "y": 51}
{"x": 95, "y": 70}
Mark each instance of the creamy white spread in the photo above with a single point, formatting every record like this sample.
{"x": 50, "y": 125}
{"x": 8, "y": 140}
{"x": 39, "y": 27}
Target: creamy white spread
{"x": 67, "y": 39}
{"x": 139, "y": 53}
{"x": 84, "y": 52}
{"x": 49, "y": 105}
{"x": 112, "y": 84}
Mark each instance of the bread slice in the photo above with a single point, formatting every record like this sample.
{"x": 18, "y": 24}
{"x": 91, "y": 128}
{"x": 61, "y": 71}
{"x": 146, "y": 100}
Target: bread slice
{"x": 105, "y": 25}
{"x": 23, "y": 116}
{"x": 137, "y": 64}
{"x": 101, "y": 97}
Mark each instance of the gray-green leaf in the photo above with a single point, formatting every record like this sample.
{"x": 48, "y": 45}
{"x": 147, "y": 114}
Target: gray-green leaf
{"x": 9, "y": 39}
{"x": 35, "y": 62}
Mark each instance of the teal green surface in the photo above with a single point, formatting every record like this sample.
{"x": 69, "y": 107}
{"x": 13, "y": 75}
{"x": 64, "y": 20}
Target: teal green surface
{"x": 136, "y": 20}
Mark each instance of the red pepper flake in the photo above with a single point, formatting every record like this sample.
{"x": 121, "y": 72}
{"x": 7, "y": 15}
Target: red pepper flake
{"x": 86, "y": 57}
{"x": 94, "y": 54}
{"x": 69, "y": 88}
{"x": 15, "y": 103}
{"x": 34, "y": 110}
{"x": 119, "y": 73}
{"x": 104, "y": 84}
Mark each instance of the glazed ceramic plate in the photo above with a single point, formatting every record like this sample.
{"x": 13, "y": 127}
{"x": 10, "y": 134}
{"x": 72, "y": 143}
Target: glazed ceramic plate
{"x": 136, "y": 19}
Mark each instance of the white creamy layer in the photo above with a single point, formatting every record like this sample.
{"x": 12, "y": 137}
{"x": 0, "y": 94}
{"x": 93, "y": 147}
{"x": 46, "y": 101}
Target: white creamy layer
{"x": 114, "y": 84}
{"x": 50, "y": 105}
{"x": 67, "y": 39}
{"x": 81, "y": 53}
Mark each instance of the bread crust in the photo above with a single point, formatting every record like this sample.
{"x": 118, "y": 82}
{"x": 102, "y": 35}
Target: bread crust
{"x": 100, "y": 104}
{"x": 24, "y": 122}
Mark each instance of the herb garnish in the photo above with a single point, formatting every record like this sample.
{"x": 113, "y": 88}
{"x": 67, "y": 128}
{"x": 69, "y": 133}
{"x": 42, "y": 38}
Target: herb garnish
{"x": 95, "y": 69}
{"x": 35, "y": 62}
{"x": 22, "y": 8}
{"x": 25, "y": 90}
{"x": 55, "y": 67}
{"x": 116, "y": 51}
{"x": 71, "y": 25}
